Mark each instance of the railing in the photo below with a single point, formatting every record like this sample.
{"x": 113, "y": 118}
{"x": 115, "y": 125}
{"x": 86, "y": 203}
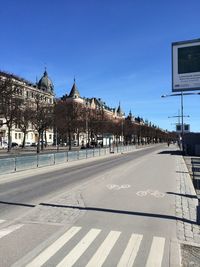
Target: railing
{"x": 20, "y": 163}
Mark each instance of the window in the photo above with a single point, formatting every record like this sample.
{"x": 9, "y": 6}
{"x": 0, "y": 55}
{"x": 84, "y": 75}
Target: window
{"x": 50, "y": 137}
{"x": 15, "y": 135}
{"x": 20, "y": 135}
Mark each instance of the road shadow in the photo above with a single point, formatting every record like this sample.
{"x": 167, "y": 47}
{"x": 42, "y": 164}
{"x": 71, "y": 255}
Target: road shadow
{"x": 124, "y": 212}
{"x": 182, "y": 195}
{"x": 171, "y": 152}
{"x": 17, "y": 204}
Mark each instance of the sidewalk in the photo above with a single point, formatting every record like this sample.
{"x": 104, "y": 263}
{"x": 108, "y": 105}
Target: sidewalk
{"x": 188, "y": 232}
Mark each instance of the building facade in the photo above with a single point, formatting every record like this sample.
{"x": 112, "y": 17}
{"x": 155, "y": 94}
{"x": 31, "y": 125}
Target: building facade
{"x": 97, "y": 104}
{"x": 27, "y": 91}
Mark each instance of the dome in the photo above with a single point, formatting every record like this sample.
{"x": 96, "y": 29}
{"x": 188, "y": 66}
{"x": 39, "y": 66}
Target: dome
{"x": 45, "y": 83}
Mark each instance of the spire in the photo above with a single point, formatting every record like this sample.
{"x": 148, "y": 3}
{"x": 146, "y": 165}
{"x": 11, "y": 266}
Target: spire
{"x": 74, "y": 91}
{"x": 120, "y": 111}
{"x": 119, "y": 108}
{"x": 45, "y": 71}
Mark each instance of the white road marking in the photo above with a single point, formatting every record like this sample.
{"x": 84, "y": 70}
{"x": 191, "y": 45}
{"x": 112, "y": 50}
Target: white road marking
{"x": 141, "y": 193}
{"x": 101, "y": 254}
{"x": 9, "y": 229}
{"x": 79, "y": 249}
{"x": 156, "y": 252}
{"x": 154, "y": 193}
{"x": 118, "y": 187}
{"x": 2, "y": 221}
{"x": 127, "y": 259}
{"x": 52, "y": 249}
{"x": 131, "y": 251}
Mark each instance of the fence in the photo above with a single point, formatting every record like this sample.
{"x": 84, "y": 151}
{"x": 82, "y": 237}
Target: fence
{"x": 20, "y": 163}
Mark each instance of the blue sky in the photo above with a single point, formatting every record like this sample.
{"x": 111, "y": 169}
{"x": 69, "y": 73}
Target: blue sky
{"x": 118, "y": 50}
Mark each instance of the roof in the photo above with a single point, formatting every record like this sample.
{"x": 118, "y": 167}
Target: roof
{"x": 13, "y": 76}
{"x": 74, "y": 91}
{"x": 119, "y": 110}
{"x": 45, "y": 83}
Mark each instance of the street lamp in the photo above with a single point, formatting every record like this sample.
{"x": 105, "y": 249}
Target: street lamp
{"x": 181, "y": 94}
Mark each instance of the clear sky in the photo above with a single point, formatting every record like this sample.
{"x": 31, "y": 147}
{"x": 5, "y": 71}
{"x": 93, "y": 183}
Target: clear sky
{"x": 118, "y": 50}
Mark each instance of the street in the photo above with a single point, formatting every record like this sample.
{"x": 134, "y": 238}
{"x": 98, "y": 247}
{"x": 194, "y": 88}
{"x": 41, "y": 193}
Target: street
{"x": 118, "y": 210}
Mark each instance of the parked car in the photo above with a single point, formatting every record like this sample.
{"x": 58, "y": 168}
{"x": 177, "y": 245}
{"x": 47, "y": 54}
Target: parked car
{"x": 13, "y": 144}
{"x": 27, "y": 144}
{"x": 34, "y": 144}
{"x": 44, "y": 143}
{"x": 75, "y": 143}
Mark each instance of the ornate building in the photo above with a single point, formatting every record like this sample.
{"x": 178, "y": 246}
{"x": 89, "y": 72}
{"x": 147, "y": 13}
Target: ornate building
{"x": 27, "y": 90}
{"x": 115, "y": 114}
{"x": 93, "y": 103}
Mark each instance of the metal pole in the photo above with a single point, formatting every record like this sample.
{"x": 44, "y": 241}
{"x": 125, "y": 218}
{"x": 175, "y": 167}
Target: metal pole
{"x": 182, "y": 130}
{"x": 122, "y": 132}
{"x": 86, "y": 126}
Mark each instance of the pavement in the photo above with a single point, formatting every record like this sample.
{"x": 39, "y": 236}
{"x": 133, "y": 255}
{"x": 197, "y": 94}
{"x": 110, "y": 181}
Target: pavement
{"x": 186, "y": 202}
{"x": 188, "y": 230}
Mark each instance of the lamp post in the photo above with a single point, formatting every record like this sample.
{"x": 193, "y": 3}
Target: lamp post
{"x": 181, "y": 94}
{"x": 122, "y": 131}
{"x": 86, "y": 125}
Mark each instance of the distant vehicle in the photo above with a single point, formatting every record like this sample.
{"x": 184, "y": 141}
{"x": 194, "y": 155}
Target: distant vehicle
{"x": 75, "y": 143}
{"x": 34, "y": 144}
{"x": 27, "y": 144}
{"x": 43, "y": 142}
{"x": 13, "y": 144}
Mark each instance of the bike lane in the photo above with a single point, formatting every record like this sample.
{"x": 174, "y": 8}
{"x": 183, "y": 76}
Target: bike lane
{"x": 135, "y": 197}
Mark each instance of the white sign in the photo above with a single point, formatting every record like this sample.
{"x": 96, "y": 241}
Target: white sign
{"x": 186, "y": 66}
{"x": 186, "y": 128}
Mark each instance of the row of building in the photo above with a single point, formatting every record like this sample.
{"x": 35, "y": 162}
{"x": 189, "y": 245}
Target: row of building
{"x": 45, "y": 87}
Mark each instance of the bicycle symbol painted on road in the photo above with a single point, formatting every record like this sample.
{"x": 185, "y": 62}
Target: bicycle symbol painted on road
{"x": 118, "y": 187}
{"x": 154, "y": 193}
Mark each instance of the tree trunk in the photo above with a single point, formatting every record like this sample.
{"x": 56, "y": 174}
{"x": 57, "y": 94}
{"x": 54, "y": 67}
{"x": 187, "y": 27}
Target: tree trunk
{"x": 70, "y": 141}
{"x": 9, "y": 138}
{"x": 38, "y": 144}
{"x": 45, "y": 137}
{"x": 42, "y": 139}
{"x": 24, "y": 139}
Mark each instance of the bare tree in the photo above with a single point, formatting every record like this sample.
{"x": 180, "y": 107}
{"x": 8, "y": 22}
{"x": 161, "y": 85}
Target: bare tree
{"x": 10, "y": 102}
{"x": 68, "y": 119}
{"x": 23, "y": 118}
{"x": 42, "y": 117}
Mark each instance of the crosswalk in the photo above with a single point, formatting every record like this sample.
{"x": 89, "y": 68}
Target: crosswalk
{"x": 101, "y": 251}
{"x": 9, "y": 229}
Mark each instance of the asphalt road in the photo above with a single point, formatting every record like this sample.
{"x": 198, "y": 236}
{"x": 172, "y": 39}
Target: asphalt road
{"x": 113, "y": 211}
